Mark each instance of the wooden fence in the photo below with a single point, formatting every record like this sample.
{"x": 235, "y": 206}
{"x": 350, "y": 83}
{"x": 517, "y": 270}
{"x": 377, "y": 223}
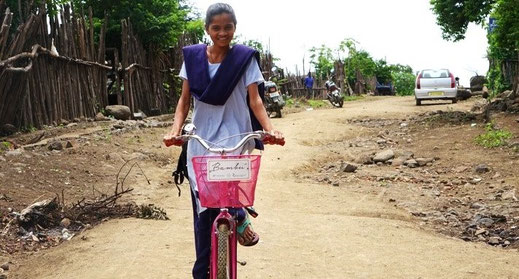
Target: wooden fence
{"x": 52, "y": 69}
{"x": 62, "y": 77}
{"x": 510, "y": 70}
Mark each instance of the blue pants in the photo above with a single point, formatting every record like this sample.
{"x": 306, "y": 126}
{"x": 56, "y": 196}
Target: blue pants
{"x": 203, "y": 223}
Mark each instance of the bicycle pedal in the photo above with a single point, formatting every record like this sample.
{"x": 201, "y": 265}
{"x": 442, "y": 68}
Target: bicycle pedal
{"x": 252, "y": 212}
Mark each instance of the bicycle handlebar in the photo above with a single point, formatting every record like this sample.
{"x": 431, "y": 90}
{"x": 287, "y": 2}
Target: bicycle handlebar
{"x": 265, "y": 137}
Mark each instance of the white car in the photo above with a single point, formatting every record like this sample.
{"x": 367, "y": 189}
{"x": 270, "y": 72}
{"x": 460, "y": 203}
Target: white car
{"x": 435, "y": 85}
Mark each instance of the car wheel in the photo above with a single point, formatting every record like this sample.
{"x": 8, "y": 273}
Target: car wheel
{"x": 455, "y": 100}
{"x": 418, "y": 102}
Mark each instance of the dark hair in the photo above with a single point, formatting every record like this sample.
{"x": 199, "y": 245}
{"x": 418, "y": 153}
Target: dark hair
{"x": 217, "y": 9}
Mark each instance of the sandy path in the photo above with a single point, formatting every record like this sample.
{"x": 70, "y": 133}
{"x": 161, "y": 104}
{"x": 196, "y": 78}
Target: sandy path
{"x": 307, "y": 230}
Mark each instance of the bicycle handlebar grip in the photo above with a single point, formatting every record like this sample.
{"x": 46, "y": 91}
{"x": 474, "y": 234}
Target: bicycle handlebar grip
{"x": 178, "y": 141}
{"x": 269, "y": 139}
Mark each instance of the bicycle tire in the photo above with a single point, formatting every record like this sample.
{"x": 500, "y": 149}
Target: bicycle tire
{"x": 223, "y": 251}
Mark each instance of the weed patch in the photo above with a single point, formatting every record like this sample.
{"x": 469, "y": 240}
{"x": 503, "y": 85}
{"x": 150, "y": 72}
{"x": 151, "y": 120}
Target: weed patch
{"x": 493, "y": 137}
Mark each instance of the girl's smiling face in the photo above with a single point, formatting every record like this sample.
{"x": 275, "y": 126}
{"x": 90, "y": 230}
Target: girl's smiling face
{"x": 221, "y": 29}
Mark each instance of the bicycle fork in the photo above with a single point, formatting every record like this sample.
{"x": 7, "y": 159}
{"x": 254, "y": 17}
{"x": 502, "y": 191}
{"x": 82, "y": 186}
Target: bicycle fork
{"x": 225, "y": 219}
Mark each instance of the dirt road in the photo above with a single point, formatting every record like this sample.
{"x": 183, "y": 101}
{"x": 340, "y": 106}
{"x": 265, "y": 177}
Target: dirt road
{"x": 307, "y": 230}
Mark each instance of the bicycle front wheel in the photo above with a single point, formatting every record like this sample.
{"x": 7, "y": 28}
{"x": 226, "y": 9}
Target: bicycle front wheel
{"x": 223, "y": 251}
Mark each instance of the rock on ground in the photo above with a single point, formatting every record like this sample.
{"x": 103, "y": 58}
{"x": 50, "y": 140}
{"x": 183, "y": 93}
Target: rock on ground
{"x": 348, "y": 167}
{"x": 384, "y": 156}
{"x": 100, "y": 117}
{"x": 119, "y": 112}
{"x": 424, "y": 161}
{"x": 482, "y": 168}
{"x": 56, "y": 145}
{"x": 365, "y": 159}
{"x": 412, "y": 163}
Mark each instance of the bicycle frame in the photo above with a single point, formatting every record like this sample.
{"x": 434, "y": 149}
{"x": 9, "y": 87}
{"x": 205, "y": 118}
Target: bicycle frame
{"x": 224, "y": 217}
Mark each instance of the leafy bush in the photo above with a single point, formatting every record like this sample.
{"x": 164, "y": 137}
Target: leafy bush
{"x": 404, "y": 83}
{"x": 289, "y": 101}
{"x": 493, "y": 137}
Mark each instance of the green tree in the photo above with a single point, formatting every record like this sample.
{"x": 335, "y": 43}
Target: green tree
{"x": 156, "y": 22}
{"x": 453, "y": 16}
{"x": 383, "y": 71}
{"x": 22, "y": 9}
{"x": 257, "y": 45}
{"x": 506, "y": 35}
{"x": 503, "y": 43}
{"x": 403, "y": 79}
{"x": 401, "y": 76}
{"x": 196, "y": 29}
{"x": 322, "y": 59}
{"x": 358, "y": 61}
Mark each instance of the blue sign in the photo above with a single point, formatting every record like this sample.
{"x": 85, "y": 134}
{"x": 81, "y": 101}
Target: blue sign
{"x": 492, "y": 24}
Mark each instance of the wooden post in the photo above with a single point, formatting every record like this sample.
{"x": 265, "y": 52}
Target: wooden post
{"x": 4, "y": 32}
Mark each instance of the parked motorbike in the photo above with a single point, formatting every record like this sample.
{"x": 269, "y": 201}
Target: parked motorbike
{"x": 273, "y": 100}
{"x": 334, "y": 94}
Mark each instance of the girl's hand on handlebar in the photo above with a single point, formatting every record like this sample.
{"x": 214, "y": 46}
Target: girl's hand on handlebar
{"x": 274, "y": 137}
{"x": 172, "y": 139}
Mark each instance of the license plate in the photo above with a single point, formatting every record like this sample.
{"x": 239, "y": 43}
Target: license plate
{"x": 436, "y": 93}
{"x": 228, "y": 169}
{"x": 272, "y": 95}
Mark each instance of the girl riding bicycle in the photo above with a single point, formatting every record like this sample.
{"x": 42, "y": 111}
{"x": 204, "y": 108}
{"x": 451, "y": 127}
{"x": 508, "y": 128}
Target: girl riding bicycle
{"x": 224, "y": 81}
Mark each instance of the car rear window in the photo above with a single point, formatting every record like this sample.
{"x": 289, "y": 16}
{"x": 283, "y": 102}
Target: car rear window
{"x": 435, "y": 74}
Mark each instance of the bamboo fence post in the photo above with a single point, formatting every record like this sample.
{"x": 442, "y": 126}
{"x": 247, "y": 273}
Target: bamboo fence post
{"x": 4, "y": 31}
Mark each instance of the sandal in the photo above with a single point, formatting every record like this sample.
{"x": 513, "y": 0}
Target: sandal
{"x": 242, "y": 229}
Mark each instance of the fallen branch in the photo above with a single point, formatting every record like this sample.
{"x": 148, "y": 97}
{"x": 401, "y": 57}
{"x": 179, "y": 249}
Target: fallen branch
{"x": 36, "y": 51}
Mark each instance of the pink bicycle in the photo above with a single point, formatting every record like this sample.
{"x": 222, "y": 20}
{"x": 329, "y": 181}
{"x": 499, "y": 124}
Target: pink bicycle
{"x": 227, "y": 181}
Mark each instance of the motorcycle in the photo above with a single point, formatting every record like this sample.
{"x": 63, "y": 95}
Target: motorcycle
{"x": 273, "y": 100}
{"x": 334, "y": 94}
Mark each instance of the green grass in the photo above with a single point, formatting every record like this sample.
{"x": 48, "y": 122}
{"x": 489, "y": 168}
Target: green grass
{"x": 289, "y": 102}
{"x": 353, "y": 98}
{"x": 29, "y": 129}
{"x": 316, "y": 103}
{"x": 493, "y": 137}
{"x": 5, "y": 145}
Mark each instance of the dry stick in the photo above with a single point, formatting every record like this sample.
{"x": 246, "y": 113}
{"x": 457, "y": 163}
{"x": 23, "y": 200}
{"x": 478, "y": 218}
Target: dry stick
{"x": 122, "y": 182}
{"x": 4, "y": 31}
{"x": 37, "y": 50}
{"x": 102, "y": 94}
{"x": 117, "y": 176}
{"x": 91, "y": 33}
{"x": 20, "y": 10}
{"x": 63, "y": 198}
{"x": 7, "y": 227}
{"x": 40, "y": 93}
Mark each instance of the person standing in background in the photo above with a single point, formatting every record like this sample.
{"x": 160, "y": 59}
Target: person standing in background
{"x": 309, "y": 84}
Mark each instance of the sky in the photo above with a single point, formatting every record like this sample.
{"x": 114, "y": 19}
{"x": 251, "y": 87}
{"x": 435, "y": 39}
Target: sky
{"x": 399, "y": 31}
